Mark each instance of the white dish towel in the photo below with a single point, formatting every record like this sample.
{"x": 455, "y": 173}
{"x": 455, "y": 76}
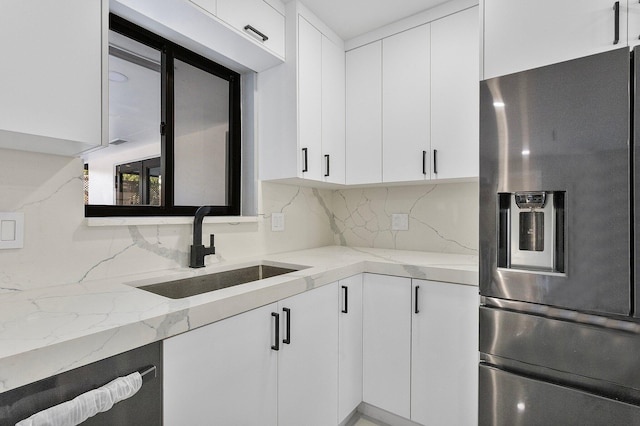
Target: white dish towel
{"x": 88, "y": 404}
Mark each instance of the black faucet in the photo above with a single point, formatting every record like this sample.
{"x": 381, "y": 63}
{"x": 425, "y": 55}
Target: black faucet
{"x": 197, "y": 250}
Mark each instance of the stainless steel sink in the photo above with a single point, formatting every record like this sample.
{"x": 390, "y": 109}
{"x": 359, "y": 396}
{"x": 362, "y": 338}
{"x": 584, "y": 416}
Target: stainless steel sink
{"x": 177, "y": 289}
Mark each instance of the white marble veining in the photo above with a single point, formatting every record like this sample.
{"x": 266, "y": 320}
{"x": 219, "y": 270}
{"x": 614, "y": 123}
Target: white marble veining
{"x": 45, "y": 331}
{"x": 442, "y": 217}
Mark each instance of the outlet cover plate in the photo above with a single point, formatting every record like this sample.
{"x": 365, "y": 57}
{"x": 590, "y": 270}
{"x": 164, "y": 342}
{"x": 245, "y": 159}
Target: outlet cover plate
{"x": 11, "y": 230}
{"x": 277, "y": 222}
{"x": 399, "y": 222}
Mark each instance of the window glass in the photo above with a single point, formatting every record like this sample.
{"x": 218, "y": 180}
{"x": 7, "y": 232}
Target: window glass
{"x": 174, "y": 131}
{"x": 134, "y": 119}
{"x": 201, "y": 136}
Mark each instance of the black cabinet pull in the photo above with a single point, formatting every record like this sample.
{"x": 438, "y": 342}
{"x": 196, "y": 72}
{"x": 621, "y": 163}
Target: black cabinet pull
{"x": 287, "y": 341}
{"x": 417, "y": 311}
{"x": 424, "y": 162}
{"x": 304, "y": 160}
{"x": 345, "y": 309}
{"x": 326, "y": 159}
{"x": 435, "y": 161}
{"x": 276, "y": 347}
{"x": 616, "y": 19}
{"x": 248, "y": 28}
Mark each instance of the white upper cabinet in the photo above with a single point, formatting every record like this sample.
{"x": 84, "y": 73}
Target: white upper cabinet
{"x": 310, "y": 98}
{"x": 333, "y": 111}
{"x": 301, "y": 120}
{"x": 412, "y": 104}
{"x": 633, "y": 19}
{"x": 520, "y": 35}
{"x": 257, "y": 19}
{"x": 455, "y": 95}
{"x": 364, "y": 114}
{"x": 54, "y": 75}
{"x": 406, "y": 105}
{"x": 216, "y": 28}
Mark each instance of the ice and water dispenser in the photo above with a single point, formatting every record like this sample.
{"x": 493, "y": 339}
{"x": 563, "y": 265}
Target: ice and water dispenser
{"x": 531, "y": 233}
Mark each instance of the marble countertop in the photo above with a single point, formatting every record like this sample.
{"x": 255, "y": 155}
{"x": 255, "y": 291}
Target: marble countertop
{"x": 51, "y": 330}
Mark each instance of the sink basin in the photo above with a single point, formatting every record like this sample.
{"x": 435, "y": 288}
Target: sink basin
{"x": 177, "y": 289}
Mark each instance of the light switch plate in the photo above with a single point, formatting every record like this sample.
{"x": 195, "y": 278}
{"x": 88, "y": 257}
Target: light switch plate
{"x": 277, "y": 222}
{"x": 399, "y": 222}
{"x": 11, "y": 230}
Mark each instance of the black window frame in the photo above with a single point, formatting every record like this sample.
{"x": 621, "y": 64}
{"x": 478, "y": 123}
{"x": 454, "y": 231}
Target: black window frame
{"x": 169, "y": 52}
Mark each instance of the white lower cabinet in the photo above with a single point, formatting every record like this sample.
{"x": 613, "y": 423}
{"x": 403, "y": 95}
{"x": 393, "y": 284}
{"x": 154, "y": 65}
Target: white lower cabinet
{"x": 420, "y": 353}
{"x": 308, "y": 359}
{"x": 386, "y": 358}
{"x": 444, "y": 354}
{"x": 224, "y": 373}
{"x": 233, "y": 372}
{"x": 405, "y": 346}
{"x": 350, "y": 347}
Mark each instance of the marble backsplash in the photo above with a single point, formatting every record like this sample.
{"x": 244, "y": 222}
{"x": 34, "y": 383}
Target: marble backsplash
{"x": 442, "y": 218}
{"x": 60, "y": 247}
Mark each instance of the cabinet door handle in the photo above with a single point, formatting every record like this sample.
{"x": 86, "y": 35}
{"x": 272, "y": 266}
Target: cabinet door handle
{"x": 435, "y": 161}
{"x": 287, "y": 341}
{"x": 276, "y": 347}
{"x": 326, "y": 159}
{"x": 416, "y": 310}
{"x": 249, "y": 28}
{"x": 616, "y": 22}
{"x": 305, "y": 163}
{"x": 345, "y": 309}
{"x": 424, "y": 162}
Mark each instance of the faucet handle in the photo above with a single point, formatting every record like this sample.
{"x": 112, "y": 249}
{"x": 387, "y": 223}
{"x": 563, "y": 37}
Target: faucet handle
{"x": 212, "y": 248}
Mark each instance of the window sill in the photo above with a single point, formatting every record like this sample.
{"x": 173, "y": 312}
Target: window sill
{"x": 168, "y": 220}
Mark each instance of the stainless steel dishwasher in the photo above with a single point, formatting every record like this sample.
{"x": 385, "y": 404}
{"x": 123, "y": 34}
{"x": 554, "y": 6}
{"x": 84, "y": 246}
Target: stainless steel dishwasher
{"x": 142, "y": 409}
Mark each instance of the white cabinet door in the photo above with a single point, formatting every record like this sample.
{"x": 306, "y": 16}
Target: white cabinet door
{"x": 54, "y": 75}
{"x": 444, "y": 353}
{"x": 333, "y": 112}
{"x": 386, "y": 360}
{"x": 633, "y": 19}
{"x": 224, "y": 373}
{"x": 310, "y": 99}
{"x": 364, "y": 114}
{"x": 257, "y": 19}
{"x": 406, "y": 105}
{"x": 350, "y": 347}
{"x": 207, "y": 5}
{"x": 455, "y": 95}
{"x": 520, "y": 35}
{"x": 308, "y": 358}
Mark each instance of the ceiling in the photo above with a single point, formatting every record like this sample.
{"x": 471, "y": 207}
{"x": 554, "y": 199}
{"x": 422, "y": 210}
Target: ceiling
{"x": 351, "y": 18}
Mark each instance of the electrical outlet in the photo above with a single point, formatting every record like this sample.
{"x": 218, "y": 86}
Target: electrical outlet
{"x": 11, "y": 230}
{"x": 399, "y": 222}
{"x": 277, "y": 222}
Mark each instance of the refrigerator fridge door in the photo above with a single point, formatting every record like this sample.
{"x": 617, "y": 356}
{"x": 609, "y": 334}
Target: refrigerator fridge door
{"x": 561, "y": 129}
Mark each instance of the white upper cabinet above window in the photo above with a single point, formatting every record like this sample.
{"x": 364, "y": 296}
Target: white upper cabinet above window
{"x": 520, "y": 35}
{"x": 257, "y": 19}
{"x": 215, "y": 29}
{"x": 54, "y": 75}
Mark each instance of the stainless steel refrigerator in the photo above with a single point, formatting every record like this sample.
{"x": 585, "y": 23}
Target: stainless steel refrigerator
{"x": 559, "y": 218}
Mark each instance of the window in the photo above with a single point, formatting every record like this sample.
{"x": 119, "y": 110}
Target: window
{"x": 174, "y": 131}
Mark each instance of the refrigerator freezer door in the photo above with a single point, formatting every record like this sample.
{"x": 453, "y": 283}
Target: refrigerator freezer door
{"x": 511, "y": 399}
